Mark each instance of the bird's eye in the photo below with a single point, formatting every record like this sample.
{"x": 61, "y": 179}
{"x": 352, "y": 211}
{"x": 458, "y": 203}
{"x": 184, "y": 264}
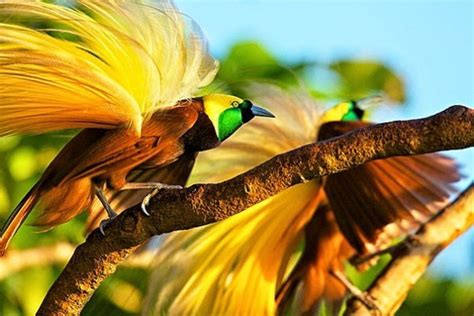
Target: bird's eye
{"x": 235, "y": 104}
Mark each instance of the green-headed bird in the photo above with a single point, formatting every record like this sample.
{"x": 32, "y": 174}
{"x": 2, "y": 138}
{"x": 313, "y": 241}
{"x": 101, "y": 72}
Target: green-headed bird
{"x": 281, "y": 254}
{"x": 125, "y": 72}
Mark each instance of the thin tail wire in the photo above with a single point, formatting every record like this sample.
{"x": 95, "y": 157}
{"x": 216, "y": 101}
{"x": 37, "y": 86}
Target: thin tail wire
{"x": 17, "y": 217}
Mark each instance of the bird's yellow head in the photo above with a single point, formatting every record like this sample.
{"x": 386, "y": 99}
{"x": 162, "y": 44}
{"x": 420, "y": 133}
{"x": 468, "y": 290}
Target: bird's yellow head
{"x": 350, "y": 110}
{"x": 227, "y": 113}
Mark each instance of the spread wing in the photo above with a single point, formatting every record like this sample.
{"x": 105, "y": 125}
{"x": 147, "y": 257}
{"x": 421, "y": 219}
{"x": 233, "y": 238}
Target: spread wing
{"x": 399, "y": 190}
{"x": 101, "y": 64}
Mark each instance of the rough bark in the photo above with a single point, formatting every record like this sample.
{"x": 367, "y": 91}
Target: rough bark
{"x": 202, "y": 204}
{"x": 413, "y": 256}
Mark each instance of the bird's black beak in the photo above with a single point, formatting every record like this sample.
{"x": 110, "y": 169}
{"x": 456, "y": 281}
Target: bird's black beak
{"x": 258, "y": 111}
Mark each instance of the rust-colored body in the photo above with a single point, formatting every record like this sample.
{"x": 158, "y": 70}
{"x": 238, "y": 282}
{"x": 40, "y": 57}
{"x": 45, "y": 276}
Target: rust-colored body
{"x": 105, "y": 158}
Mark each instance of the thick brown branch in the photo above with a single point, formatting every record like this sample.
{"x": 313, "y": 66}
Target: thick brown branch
{"x": 412, "y": 259}
{"x": 202, "y": 204}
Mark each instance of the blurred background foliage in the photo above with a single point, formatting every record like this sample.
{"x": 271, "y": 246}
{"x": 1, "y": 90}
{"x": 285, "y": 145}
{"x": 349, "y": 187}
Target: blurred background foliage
{"x": 23, "y": 158}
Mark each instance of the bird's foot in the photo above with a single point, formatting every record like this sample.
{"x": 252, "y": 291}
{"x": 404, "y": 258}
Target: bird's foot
{"x": 156, "y": 187}
{"x": 110, "y": 212}
{"x": 367, "y": 301}
{"x": 355, "y": 291}
{"x": 149, "y": 185}
{"x": 104, "y": 223}
{"x": 409, "y": 242}
{"x": 146, "y": 200}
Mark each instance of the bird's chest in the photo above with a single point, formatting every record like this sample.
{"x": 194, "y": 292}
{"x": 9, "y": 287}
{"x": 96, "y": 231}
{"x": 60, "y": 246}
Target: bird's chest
{"x": 202, "y": 136}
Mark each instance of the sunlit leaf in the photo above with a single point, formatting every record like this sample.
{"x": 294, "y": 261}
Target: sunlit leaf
{"x": 29, "y": 287}
{"x": 125, "y": 296}
{"x": 250, "y": 61}
{"x": 360, "y": 78}
{"x": 9, "y": 142}
{"x": 22, "y": 163}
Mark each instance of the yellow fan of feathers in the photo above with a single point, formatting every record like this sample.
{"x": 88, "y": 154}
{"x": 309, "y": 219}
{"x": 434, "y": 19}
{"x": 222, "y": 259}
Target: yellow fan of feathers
{"x": 200, "y": 271}
{"x": 100, "y": 64}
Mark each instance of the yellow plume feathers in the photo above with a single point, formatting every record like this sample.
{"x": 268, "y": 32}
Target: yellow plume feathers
{"x": 122, "y": 61}
{"x": 234, "y": 267}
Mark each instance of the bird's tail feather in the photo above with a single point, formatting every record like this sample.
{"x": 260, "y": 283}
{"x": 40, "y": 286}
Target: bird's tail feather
{"x": 17, "y": 217}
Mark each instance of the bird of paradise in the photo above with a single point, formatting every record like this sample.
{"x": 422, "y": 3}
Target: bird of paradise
{"x": 124, "y": 72}
{"x": 280, "y": 254}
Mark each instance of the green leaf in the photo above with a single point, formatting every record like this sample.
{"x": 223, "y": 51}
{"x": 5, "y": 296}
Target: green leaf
{"x": 360, "y": 78}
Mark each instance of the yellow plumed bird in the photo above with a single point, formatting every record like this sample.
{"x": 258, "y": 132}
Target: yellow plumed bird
{"x": 277, "y": 255}
{"x": 233, "y": 267}
{"x": 127, "y": 74}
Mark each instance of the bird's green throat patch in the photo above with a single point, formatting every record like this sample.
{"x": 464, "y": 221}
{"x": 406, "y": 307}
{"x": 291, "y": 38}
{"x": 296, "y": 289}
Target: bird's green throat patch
{"x": 353, "y": 113}
{"x": 229, "y": 121}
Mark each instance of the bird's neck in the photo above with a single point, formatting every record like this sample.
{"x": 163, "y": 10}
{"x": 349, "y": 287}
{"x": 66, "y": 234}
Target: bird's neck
{"x": 202, "y": 136}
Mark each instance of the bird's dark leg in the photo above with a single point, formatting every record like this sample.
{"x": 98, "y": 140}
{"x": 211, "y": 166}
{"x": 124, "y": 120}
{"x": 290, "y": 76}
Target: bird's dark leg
{"x": 358, "y": 260}
{"x": 110, "y": 212}
{"x": 148, "y": 185}
{"x": 356, "y": 292}
{"x": 156, "y": 186}
{"x": 408, "y": 242}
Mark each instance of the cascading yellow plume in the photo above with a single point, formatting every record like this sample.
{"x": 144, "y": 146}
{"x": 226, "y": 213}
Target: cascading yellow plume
{"x": 200, "y": 271}
{"x": 249, "y": 263}
{"x": 101, "y": 65}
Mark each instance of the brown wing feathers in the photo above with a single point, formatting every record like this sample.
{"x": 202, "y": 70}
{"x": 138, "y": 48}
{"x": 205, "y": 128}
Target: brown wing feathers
{"x": 325, "y": 249}
{"x": 119, "y": 150}
{"x": 66, "y": 187}
{"x": 371, "y": 204}
{"x": 367, "y": 198}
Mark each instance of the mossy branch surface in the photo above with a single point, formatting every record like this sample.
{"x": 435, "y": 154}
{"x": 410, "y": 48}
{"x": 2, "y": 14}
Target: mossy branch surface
{"x": 201, "y": 204}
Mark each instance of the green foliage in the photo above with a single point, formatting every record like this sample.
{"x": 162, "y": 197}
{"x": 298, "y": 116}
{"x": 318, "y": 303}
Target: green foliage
{"x": 23, "y": 158}
{"x": 120, "y": 295}
{"x": 360, "y": 78}
{"x": 249, "y": 61}
{"x": 433, "y": 296}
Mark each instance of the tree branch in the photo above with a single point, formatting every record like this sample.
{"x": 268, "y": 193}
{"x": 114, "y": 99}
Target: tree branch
{"x": 414, "y": 255}
{"x": 202, "y": 204}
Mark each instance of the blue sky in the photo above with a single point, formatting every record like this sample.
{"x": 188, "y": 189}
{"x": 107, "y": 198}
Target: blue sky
{"x": 431, "y": 43}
